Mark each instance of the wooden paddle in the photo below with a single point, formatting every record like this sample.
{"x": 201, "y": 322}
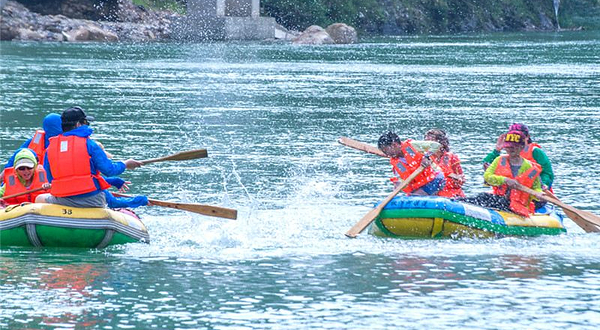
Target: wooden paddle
{"x": 373, "y": 214}
{"x": 586, "y": 220}
{"x": 23, "y": 193}
{"x": 348, "y": 142}
{"x": 589, "y": 228}
{"x": 213, "y": 211}
{"x": 184, "y": 155}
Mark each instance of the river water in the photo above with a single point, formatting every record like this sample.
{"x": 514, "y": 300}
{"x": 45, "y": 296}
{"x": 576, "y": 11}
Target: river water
{"x": 270, "y": 115}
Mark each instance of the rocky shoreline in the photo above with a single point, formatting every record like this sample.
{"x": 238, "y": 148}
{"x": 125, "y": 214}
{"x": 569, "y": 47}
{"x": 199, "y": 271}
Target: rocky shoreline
{"x": 121, "y": 20}
{"x": 130, "y": 24}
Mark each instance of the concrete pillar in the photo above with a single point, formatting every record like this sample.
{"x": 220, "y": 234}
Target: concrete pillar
{"x": 226, "y": 19}
{"x": 234, "y": 8}
{"x": 239, "y": 8}
{"x": 205, "y": 8}
{"x": 220, "y": 8}
{"x": 255, "y": 8}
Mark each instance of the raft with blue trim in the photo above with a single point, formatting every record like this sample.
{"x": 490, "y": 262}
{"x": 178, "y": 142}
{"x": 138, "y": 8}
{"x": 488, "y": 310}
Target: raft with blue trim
{"x": 438, "y": 217}
{"x": 51, "y": 225}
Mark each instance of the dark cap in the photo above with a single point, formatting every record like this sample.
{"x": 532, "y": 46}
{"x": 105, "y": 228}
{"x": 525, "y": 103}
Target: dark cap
{"x": 519, "y": 127}
{"x": 74, "y": 114}
{"x": 514, "y": 139}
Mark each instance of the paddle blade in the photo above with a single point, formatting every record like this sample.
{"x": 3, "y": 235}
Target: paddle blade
{"x": 581, "y": 222}
{"x": 363, "y": 223}
{"x": 348, "y": 142}
{"x": 586, "y": 220}
{"x": 184, "y": 155}
{"x": 212, "y": 211}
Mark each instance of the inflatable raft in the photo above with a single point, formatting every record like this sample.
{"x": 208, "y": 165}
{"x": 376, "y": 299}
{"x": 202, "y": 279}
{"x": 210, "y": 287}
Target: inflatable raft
{"x": 62, "y": 226}
{"x": 438, "y": 217}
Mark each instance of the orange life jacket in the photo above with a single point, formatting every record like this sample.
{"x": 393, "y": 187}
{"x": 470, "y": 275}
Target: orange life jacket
{"x": 14, "y": 185}
{"x": 37, "y": 144}
{"x": 70, "y": 167}
{"x": 527, "y": 152}
{"x": 520, "y": 202}
{"x": 413, "y": 161}
{"x": 452, "y": 188}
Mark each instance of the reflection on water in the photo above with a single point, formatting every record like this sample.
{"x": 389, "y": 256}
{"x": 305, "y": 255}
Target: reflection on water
{"x": 270, "y": 115}
{"x": 482, "y": 291}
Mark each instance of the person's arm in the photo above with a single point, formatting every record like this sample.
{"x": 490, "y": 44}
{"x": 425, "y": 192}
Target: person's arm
{"x": 49, "y": 176}
{"x": 115, "y": 181}
{"x": 495, "y": 153}
{"x": 118, "y": 183}
{"x": 537, "y": 186}
{"x": 458, "y": 179}
{"x": 491, "y": 156}
{"x": 2, "y": 190}
{"x": 547, "y": 175}
{"x": 101, "y": 161}
{"x": 455, "y": 164}
{"x": 121, "y": 202}
{"x": 490, "y": 177}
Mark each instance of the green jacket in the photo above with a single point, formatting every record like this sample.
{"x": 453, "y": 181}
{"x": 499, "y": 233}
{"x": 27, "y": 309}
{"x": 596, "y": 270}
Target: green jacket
{"x": 540, "y": 157}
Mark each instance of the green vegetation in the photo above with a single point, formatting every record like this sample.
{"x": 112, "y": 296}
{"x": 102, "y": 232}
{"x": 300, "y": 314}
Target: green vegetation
{"x": 177, "y": 6}
{"x": 298, "y": 15}
{"x": 433, "y": 16}
{"x": 575, "y": 13}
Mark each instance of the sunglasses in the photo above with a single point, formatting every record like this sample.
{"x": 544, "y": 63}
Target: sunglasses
{"x": 24, "y": 168}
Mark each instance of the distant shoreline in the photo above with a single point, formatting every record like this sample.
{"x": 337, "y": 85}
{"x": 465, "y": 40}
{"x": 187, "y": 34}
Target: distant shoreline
{"x": 132, "y": 23}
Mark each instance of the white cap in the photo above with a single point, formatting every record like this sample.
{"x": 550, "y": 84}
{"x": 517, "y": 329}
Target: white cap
{"x": 24, "y": 162}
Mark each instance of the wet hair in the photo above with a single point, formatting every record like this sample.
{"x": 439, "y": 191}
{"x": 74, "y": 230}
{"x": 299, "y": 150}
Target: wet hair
{"x": 440, "y": 137}
{"x": 387, "y": 139}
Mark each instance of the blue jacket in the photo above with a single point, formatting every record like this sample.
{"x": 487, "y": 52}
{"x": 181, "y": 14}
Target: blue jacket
{"x": 98, "y": 161}
{"x": 52, "y": 126}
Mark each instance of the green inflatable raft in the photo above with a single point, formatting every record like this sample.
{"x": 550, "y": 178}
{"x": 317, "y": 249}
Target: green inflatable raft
{"x": 50, "y": 225}
{"x": 438, "y": 217}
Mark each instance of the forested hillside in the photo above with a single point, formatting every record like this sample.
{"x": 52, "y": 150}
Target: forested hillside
{"x": 435, "y": 16}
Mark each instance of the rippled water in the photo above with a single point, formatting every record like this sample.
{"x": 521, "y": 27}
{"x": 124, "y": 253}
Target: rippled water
{"x": 270, "y": 115}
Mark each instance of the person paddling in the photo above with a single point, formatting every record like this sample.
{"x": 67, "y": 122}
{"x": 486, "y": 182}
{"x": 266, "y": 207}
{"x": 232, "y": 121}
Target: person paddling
{"x": 504, "y": 174}
{"x": 531, "y": 151}
{"x": 449, "y": 164}
{"x": 25, "y": 175}
{"x": 74, "y": 163}
{"x": 406, "y": 157}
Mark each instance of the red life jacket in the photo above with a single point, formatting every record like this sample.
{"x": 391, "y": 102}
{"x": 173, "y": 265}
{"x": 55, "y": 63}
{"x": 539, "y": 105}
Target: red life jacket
{"x": 519, "y": 200}
{"x": 452, "y": 188}
{"x": 413, "y": 161}
{"x": 527, "y": 152}
{"x": 70, "y": 167}
{"x": 14, "y": 185}
{"x": 37, "y": 144}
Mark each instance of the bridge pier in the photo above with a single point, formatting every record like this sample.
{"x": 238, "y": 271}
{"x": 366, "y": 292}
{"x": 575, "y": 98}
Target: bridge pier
{"x": 225, "y": 20}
